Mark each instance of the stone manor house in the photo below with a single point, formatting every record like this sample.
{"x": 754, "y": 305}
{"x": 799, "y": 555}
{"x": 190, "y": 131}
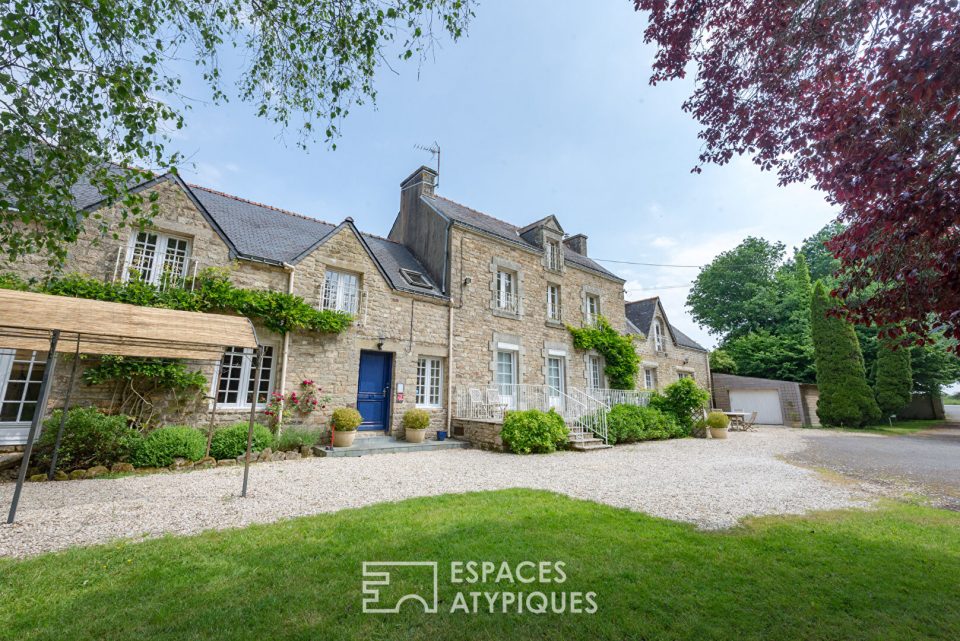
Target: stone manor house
{"x": 452, "y": 305}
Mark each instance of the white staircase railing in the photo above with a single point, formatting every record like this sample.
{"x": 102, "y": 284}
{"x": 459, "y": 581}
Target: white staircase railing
{"x": 583, "y": 414}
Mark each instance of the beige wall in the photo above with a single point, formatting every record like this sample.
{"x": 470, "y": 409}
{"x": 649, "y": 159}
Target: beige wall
{"x": 672, "y": 361}
{"x": 478, "y": 327}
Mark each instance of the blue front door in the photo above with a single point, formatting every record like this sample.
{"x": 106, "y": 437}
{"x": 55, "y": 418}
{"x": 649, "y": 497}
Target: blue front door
{"x": 373, "y": 389}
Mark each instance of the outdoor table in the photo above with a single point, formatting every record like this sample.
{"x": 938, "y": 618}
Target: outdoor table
{"x": 737, "y": 419}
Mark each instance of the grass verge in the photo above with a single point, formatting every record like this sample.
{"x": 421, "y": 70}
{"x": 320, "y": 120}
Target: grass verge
{"x": 891, "y": 573}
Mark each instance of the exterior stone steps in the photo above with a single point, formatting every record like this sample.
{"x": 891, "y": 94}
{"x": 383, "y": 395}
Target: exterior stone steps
{"x": 589, "y": 446}
{"x": 387, "y": 445}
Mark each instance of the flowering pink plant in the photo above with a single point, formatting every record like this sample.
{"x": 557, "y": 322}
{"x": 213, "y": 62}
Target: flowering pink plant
{"x": 311, "y": 397}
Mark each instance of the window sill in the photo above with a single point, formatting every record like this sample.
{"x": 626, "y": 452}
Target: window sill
{"x": 429, "y": 407}
{"x": 503, "y": 313}
{"x": 555, "y": 323}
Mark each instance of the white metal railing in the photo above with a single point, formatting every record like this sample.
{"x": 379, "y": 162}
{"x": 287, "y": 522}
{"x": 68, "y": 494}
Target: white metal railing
{"x": 583, "y": 414}
{"x": 508, "y": 302}
{"x": 613, "y": 397}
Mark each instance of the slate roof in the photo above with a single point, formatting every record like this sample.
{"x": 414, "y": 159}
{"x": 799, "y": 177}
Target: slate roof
{"x": 640, "y": 314}
{"x": 259, "y": 230}
{"x": 278, "y": 235}
{"x": 506, "y": 231}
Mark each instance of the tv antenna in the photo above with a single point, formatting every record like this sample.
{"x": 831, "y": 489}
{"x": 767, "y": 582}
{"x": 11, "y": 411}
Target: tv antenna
{"x": 434, "y": 150}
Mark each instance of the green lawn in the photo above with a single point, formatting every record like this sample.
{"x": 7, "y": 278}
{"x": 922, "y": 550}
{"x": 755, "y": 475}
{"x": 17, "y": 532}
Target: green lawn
{"x": 949, "y": 400}
{"x": 888, "y": 574}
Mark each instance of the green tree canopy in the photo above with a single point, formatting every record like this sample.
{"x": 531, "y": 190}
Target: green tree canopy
{"x": 735, "y": 293}
{"x": 845, "y": 397}
{"x": 722, "y": 363}
{"x": 91, "y": 89}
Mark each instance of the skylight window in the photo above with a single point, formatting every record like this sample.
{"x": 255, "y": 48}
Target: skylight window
{"x": 416, "y": 279}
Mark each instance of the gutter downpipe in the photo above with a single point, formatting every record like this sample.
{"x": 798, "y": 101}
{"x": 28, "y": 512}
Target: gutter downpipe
{"x": 290, "y": 269}
{"x": 448, "y": 267}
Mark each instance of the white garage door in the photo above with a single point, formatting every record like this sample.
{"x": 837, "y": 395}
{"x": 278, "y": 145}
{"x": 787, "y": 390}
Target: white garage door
{"x": 765, "y": 402}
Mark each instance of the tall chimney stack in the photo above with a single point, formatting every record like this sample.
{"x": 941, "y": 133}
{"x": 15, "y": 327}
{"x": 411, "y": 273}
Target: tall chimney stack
{"x": 577, "y": 243}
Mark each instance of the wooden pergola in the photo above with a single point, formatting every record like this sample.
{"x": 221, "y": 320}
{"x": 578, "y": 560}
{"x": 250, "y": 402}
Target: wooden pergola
{"x": 55, "y": 324}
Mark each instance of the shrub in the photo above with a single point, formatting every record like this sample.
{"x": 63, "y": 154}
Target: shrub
{"x": 416, "y": 419}
{"x": 894, "y": 380}
{"x": 90, "y": 438}
{"x": 534, "y": 431}
{"x": 630, "y": 423}
{"x": 162, "y": 445}
{"x": 619, "y": 353}
{"x": 684, "y": 399}
{"x": 845, "y": 398}
{"x": 717, "y": 420}
{"x": 345, "y": 419}
{"x": 231, "y": 441}
{"x": 292, "y": 439}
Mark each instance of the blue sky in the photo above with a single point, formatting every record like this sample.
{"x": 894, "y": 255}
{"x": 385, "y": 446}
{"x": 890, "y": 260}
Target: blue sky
{"x": 544, "y": 108}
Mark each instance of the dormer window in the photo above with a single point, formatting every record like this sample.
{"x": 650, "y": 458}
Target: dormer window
{"x": 554, "y": 255}
{"x": 658, "y": 342}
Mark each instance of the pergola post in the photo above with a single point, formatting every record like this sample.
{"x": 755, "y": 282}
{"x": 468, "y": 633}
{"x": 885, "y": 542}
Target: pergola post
{"x": 213, "y": 412}
{"x": 63, "y": 415}
{"x": 35, "y": 423}
{"x": 257, "y": 356}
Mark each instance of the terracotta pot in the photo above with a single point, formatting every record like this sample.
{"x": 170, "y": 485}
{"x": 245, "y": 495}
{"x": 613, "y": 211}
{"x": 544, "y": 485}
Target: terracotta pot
{"x": 344, "y": 438}
{"x": 718, "y": 432}
{"x": 414, "y": 436}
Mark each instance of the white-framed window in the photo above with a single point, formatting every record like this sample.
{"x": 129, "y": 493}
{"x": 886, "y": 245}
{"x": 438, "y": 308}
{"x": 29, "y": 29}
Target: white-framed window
{"x": 237, "y": 377}
{"x": 21, "y": 373}
{"x": 595, "y": 372}
{"x": 592, "y": 309}
{"x": 658, "y": 341}
{"x": 553, "y": 302}
{"x": 429, "y": 381}
{"x": 681, "y": 375}
{"x": 507, "y": 299}
{"x": 650, "y": 377}
{"x": 156, "y": 258}
{"x": 554, "y": 253}
{"x": 341, "y": 292}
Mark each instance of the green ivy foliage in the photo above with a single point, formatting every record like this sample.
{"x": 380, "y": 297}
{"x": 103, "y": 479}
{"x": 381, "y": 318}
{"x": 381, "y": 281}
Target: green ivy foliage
{"x": 210, "y": 291}
{"x": 164, "y": 373}
{"x": 622, "y": 361}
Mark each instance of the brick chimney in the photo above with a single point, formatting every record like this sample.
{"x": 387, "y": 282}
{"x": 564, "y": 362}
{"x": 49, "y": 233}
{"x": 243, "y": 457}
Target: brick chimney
{"x": 577, "y": 243}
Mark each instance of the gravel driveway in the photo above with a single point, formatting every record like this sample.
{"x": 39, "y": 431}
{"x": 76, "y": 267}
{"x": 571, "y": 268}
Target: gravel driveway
{"x": 712, "y": 484}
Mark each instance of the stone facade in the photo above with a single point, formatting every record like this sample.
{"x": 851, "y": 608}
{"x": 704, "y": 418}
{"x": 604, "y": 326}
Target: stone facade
{"x": 461, "y": 259}
{"x": 672, "y": 362}
{"x": 484, "y": 435}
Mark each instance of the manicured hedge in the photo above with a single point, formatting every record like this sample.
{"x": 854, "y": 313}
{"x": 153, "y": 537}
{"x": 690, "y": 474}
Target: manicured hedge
{"x": 630, "y": 423}
{"x": 162, "y": 446}
{"x": 231, "y": 441}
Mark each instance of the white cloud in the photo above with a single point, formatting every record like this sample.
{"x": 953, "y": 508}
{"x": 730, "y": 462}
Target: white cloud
{"x": 663, "y": 242}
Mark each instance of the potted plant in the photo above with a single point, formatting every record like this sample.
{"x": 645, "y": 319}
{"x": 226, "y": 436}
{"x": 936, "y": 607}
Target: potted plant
{"x": 345, "y": 421}
{"x": 718, "y": 422}
{"x": 415, "y": 423}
